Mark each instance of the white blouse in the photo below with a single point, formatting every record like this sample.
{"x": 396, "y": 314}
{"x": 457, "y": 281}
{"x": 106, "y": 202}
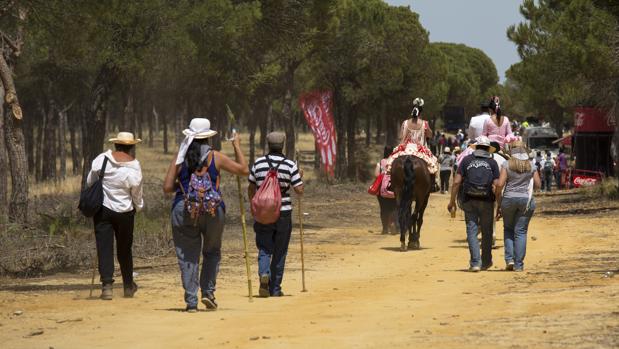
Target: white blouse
{"x": 122, "y": 183}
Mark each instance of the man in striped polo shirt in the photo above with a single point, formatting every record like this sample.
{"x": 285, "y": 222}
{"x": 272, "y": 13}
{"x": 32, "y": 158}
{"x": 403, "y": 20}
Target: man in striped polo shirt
{"x": 272, "y": 239}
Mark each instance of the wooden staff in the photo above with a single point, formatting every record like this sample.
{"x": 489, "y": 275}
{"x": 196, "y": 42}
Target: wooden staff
{"x": 301, "y": 230}
{"x": 94, "y": 270}
{"x": 242, "y": 208}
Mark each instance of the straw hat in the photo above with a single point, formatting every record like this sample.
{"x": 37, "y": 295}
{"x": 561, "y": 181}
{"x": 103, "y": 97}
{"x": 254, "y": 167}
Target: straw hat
{"x": 125, "y": 138}
{"x": 483, "y": 141}
{"x": 200, "y": 128}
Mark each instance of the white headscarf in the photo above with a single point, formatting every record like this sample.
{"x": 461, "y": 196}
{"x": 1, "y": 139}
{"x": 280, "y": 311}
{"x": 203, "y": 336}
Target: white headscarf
{"x": 190, "y": 134}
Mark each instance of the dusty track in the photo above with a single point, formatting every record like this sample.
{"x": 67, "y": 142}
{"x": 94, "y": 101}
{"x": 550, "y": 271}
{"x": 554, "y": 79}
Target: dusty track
{"x": 363, "y": 293}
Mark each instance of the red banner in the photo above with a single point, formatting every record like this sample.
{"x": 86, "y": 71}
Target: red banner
{"x": 317, "y": 108}
{"x": 593, "y": 120}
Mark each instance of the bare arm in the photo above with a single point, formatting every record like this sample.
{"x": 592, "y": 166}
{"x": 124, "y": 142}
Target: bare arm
{"x": 455, "y": 188}
{"x": 403, "y": 131}
{"x": 428, "y": 130}
{"x": 299, "y": 189}
{"x": 239, "y": 165}
{"x": 169, "y": 185}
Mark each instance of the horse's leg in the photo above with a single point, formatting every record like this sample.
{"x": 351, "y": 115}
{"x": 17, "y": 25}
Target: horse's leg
{"x": 412, "y": 235}
{"x": 404, "y": 219}
{"x": 422, "y": 210}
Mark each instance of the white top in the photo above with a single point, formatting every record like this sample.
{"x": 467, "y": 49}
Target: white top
{"x": 476, "y": 125}
{"x": 122, "y": 183}
{"x": 499, "y": 159}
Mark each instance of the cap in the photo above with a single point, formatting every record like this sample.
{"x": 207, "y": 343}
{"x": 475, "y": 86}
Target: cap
{"x": 276, "y": 139}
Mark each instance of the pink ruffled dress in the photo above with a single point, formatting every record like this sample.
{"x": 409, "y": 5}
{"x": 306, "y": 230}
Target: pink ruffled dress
{"x": 501, "y": 134}
{"x": 414, "y": 143}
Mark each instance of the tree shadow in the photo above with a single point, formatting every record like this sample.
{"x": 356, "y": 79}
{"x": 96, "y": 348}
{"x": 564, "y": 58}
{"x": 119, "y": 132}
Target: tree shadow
{"x": 37, "y": 288}
{"x": 397, "y": 249}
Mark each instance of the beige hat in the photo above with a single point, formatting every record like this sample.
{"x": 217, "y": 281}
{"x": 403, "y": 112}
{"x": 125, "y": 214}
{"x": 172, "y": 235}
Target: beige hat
{"x": 447, "y": 150}
{"x": 125, "y": 138}
{"x": 483, "y": 141}
{"x": 276, "y": 140}
{"x": 199, "y": 128}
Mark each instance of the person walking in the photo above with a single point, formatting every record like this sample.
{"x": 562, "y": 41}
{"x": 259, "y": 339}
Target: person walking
{"x": 122, "y": 197}
{"x": 516, "y": 204}
{"x": 561, "y": 169}
{"x": 548, "y": 166}
{"x": 386, "y": 198}
{"x": 272, "y": 239}
{"x": 198, "y": 220}
{"x": 477, "y": 173}
{"x": 446, "y": 162}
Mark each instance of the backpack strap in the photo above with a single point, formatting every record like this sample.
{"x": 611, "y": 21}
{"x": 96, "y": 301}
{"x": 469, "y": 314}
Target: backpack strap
{"x": 271, "y": 165}
{"x": 102, "y": 171}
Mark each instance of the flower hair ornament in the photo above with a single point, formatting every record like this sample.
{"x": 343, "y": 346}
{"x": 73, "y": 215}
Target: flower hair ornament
{"x": 417, "y": 107}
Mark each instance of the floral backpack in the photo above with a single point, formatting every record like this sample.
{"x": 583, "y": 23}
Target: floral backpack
{"x": 201, "y": 196}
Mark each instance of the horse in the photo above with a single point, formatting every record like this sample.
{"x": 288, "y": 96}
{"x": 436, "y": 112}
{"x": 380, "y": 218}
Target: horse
{"x": 410, "y": 181}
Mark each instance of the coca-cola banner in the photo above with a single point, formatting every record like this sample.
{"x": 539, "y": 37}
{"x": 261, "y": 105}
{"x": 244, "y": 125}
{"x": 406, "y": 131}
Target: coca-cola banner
{"x": 593, "y": 120}
{"x": 318, "y": 111}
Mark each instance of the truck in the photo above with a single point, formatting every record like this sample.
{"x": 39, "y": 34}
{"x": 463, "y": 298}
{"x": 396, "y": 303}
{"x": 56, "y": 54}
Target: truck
{"x": 541, "y": 138}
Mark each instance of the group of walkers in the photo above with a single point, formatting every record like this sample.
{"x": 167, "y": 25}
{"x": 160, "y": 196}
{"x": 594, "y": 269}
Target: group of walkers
{"x": 484, "y": 177}
{"x": 493, "y": 178}
{"x": 197, "y": 213}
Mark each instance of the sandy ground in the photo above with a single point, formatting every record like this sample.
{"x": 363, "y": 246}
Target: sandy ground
{"x": 363, "y": 293}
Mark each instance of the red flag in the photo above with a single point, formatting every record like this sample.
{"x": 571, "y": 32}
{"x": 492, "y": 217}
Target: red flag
{"x": 317, "y": 108}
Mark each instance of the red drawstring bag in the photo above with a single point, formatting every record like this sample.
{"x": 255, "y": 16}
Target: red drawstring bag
{"x": 267, "y": 202}
{"x": 374, "y": 189}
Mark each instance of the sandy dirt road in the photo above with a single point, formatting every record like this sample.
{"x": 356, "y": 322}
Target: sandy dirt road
{"x": 363, "y": 293}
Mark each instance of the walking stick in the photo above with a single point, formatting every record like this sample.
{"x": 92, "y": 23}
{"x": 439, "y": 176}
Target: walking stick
{"x": 242, "y": 208}
{"x": 302, "y": 256}
{"x": 94, "y": 270}
{"x": 301, "y": 230}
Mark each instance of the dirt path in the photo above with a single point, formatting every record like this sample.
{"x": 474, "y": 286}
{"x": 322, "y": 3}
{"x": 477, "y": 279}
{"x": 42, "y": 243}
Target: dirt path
{"x": 362, "y": 294}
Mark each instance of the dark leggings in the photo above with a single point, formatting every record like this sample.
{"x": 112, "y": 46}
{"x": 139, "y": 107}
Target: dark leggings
{"x": 108, "y": 224}
{"x": 445, "y": 174}
{"x": 387, "y": 212}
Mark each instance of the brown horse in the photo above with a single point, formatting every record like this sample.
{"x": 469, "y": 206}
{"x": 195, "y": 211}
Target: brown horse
{"x": 410, "y": 181}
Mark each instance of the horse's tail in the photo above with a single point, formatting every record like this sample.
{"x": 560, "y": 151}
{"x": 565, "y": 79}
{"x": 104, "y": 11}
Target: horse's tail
{"x": 409, "y": 180}
{"x": 406, "y": 198}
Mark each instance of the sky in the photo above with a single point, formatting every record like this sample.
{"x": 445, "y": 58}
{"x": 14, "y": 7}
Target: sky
{"x": 477, "y": 23}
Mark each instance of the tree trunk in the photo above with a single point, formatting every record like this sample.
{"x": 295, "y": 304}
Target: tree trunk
{"x": 351, "y": 128}
{"x": 288, "y": 124}
{"x": 339, "y": 114}
{"x": 128, "y": 124}
{"x": 75, "y": 156}
{"x": 16, "y": 147}
{"x": 62, "y": 141}
{"x": 4, "y": 164}
{"x": 38, "y": 160}
{"x": 152, "y": 127}
{"x": 368, "y": 131}
{"x": 252, "y": 139}
{"x": 165, "y": 133}
{"x": 96, "y": 116}
{"x": 379, "y": 126}
{"x": 264, "y": 121}
{"x": 49, "y": 143}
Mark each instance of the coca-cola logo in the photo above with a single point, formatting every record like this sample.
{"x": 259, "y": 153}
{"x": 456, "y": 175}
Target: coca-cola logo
{"x": 585, "y": 181}
{"x": 579, "y": 119}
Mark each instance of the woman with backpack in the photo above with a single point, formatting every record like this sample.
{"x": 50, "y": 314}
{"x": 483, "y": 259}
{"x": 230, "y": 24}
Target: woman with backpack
{"x": 516, "y": 204}
{"x": 198, "y": 211}
{"x": 386, "y": 198}
{"x": 121, "y": 178}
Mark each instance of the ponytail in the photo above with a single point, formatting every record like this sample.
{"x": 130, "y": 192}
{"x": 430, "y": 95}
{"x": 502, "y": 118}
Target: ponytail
{"x": 496, "y": 108}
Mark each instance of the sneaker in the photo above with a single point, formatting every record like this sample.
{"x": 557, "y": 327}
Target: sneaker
{"x": 107, "y": 292}
{"x": 208, "y": 299}
{"x": 192, "y": 309}
{"x": 278, "y": 294}
{"x": 510, "y": 266}
{"x": 486, "y": 266}
{"x": 474, "y": 269}
{"x": 131, "y": 290}
{"x": 518, "y": 269}
{"x": 263, "y": 291}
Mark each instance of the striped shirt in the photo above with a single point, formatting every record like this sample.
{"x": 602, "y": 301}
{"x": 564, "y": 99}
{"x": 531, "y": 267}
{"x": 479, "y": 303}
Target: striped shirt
{"x": 287, "y": 173}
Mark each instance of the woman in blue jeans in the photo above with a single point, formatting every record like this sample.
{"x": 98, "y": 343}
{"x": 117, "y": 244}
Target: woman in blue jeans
{"x": 200, "y": 235}
{"x": 519, "y": 177}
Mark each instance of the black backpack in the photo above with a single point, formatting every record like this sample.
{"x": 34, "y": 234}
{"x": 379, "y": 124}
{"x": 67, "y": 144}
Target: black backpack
{"x": 478, "y": 180}
{"x": 91, "y": 198}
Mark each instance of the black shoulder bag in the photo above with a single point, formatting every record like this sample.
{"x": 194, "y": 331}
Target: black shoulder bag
{"x": 91, "y": 198}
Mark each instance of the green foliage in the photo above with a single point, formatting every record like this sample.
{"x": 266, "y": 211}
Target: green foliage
{"x": 566, "y": 56}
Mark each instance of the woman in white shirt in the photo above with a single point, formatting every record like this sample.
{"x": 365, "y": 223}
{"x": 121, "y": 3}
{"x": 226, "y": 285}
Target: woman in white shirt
{"x": 122, "y": 196}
